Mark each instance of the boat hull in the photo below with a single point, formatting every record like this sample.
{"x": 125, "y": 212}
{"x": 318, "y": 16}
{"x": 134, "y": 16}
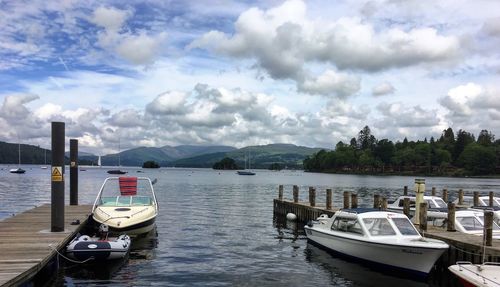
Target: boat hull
{"x": 133, "y": 222}
{"x": 415, "y": 261}
{"x": 84, "y": 248}
{"x": 471, "y": 275}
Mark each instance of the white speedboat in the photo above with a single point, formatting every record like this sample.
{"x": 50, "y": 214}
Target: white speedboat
{"x": 469, "y": 222}
{"x": 386, "y": 239}
{"x": 484, "y": 202}
{"x": 126, "y": 205}
{"x": 479, "y": 275}
{"x": 436, "y": 207}
{"x": 84, "y": 247}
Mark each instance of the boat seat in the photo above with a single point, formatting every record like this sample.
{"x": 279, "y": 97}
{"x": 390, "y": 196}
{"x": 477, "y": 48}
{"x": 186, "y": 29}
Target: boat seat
{"x": 128, "y": 185}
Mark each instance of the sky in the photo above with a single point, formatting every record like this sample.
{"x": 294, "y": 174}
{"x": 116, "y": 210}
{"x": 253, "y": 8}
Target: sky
{"x": 124, "y": 74}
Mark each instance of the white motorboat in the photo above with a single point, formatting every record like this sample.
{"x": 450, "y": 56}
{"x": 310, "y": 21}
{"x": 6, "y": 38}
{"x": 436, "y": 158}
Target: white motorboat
{"x": 436, "y": 207}
{"x": 126, "y": 205}
{"x": 479, "y": 275}
{"x": 386, "y": 239}
{"x": 484, "y": 202}
{"x": 98, "y": 248}
{"x": 469, "y": 222}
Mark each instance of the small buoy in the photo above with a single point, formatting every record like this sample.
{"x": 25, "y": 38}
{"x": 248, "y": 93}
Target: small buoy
{"x": 291, "y": 216}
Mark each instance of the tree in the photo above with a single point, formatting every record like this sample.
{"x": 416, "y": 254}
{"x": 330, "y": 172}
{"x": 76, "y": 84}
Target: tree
{"x": 365, "y": 139}
{"x": 225, "y": 164}
{"x": 479, "y": 159}
{"x": 384, "y": 151}
{"x": 485, "y": 138}
{"x": 150, "y": 164}
{"x": 463, "y": 139}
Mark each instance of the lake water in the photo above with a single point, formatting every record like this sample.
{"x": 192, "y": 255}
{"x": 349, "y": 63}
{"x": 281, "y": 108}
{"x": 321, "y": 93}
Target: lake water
{"x": 216, "y": 228}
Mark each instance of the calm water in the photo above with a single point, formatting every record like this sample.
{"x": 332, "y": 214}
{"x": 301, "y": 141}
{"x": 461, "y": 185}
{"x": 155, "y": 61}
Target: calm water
{"x": 217, "y": 229}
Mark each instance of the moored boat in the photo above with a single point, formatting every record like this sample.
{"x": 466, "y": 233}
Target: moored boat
{"x": 470, "y": 222}
{"x": 85, "y": 247}
{"x": 17, "y": 170}
{"x": 245, "y": 172}
{"x": 126, "y": 205}
{"x": 436, "y": 207}
{"x": 477, "y": 275}
{"x": 385, "y": 239}
{"x": 116, "y": 171}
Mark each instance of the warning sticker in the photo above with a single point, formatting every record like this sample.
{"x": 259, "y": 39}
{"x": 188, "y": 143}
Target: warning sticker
{"x": 57, "y": 173}
{"x": 73, "y": 164}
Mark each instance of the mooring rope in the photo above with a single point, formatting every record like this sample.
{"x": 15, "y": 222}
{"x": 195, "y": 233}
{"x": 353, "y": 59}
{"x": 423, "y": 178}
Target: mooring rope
{"x": 69, "y": 259}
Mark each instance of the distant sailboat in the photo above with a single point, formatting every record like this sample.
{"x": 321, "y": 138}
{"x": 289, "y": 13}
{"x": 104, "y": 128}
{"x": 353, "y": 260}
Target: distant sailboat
{"x": 18, "y": 169}
{"x": 45, "y": 165}
{"x": 99, "y": 161}
{"x": 117, "y": 171}
{"x": 246, "y": 172}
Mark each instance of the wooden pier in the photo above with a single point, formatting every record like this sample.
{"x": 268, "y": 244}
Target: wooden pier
{"x": 463, "y": 247}
{"x": 27, "y": 247}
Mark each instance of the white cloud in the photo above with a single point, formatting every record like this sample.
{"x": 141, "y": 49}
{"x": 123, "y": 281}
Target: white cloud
{"x": 110, "y": 18}
{"x": 332, "y": 83}
{"x": 13, "y": 107}
{"x": 383, "y": 89}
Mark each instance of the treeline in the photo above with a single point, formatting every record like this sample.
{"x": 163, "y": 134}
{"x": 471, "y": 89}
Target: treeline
{"x": 454, "y": 155}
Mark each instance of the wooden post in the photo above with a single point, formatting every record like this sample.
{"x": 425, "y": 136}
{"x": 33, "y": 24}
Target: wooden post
{"x": 346, "y": 199}
{"x": 491, "y": 199}
{"x": 433, "y": 191}
{"x": 354, "y": 200}
{"x": 57, "y": 178}
{"x": 406, "y": 206}
{"x": 312, "y": 196}
{"x": 476, "y": 198}
{"x": 423, "y": 216}
{"x": 445, "y": 195}
{"x": 488, "y": 227}
{"x": 384, "y": 203}
{"x": 405, "y": 190}
{"x": 376, "y": 201}
{"x": 295, "y": 194}
{"x": 280, "y": 192}
{"x": 460, "y": 197}
{"x": 73, "y": 172}
{"x": 328, "y": 198}
{"x": 450, "y": 224}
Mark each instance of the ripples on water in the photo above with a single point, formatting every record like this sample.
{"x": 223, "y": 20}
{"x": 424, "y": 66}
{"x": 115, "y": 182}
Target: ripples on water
{"x": 217, "y": 229}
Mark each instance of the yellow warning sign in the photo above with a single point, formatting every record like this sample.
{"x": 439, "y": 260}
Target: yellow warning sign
{"x": 73, "y": 164}
{"x": 57, "y": 173}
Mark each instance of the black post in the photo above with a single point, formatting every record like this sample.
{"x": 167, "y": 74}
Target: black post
{"x": 73, "y": 172}
{"x": 57, "y": 178}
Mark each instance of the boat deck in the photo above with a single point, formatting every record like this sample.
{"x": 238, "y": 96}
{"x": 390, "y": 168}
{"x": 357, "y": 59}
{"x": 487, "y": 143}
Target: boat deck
{"x": 27, "y": 245}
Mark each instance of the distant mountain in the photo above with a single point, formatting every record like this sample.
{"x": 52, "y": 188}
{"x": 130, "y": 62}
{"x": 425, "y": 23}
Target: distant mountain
{"x": 287, "y": 155}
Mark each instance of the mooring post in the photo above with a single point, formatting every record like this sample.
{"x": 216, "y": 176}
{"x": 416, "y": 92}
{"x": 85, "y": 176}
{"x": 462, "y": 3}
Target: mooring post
{"x": 406, "y": 206}
{"x": 491, "y": 199}
{"x": 328, "y": 198}
{"x": 73, "y": 172}
{"x": 280, "y": 192}
{"x": 445, "y": 195}
{"x": 57, "y": 178}
{"x": 450, "y": 224}
{"x": 460, "y": 197}
{"x": 376, "y": 201}
{"x": 312, "y": 196}
{"x": 419, "y": 198}
{"x": 476, "y": 198}
{"x": 488, "y": 227}
{"x": 354, "y": 200}
{"x": 423, "y": 216}
{"x": 346, "y": 199}
{"x": 433, "y": 191}
{"x": 295, "y": 194}
{"x": 384, "y": 203}
{"x": 405, "y": 190}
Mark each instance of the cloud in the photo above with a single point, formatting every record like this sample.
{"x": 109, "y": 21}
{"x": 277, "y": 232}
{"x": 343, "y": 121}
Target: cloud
{"x": 110, "y": 18}
{"x": 13, "y": 107}
{"x": 396, "y": 115}
{"x": 128, "y": 118}
{"x": 459, "y": 99}
{"x": 332, "y": 83}
{"x": 283, "y": 41}
{"x": 383, "y": 89}
{"x": 491, "y": 27}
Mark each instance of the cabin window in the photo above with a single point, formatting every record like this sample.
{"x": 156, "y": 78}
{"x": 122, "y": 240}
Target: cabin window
{"x": 349, "y": 225}
{"x": 405, "y": 227}
{"x": 123, "y": 201}
{"x": 379, "y": 226}
{"x": 402, "y": 203}
{"x": 495, "y": 225}
{"x": 141, "y": 200}
{"x": 470, "y": 223}
{"x": 436, "y": 203}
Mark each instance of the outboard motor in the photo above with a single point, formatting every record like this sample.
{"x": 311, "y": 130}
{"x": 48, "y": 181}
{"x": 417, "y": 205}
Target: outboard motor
{"x": 103, "y": 231}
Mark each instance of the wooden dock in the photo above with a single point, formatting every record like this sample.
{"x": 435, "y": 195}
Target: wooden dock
{"x": 27, "y": 246}
{"x": 463, "y": 247}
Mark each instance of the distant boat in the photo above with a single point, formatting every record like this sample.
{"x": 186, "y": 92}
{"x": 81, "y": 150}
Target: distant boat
{"x": 45, "y": 164}
{"x": 18, "y": 170}
{"x": 99, "y": 161}
{"x": 117, "y": 171}
{"x": 246, "y": 172}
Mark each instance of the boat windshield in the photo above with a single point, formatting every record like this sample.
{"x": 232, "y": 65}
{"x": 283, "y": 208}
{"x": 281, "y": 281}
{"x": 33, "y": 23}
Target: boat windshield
{"x": 405, "y": 226}
{"x": 379, "y": 226}
{"x": 125, "y": 201}
{"x": 436, "y": 203}
{"x": 470, "y": 223}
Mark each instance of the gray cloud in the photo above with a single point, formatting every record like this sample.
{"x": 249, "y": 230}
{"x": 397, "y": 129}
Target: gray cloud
{"x": 383, "y": 89}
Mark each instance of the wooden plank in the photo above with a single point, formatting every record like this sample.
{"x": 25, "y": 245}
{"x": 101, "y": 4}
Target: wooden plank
{"x": 27, "y": 245}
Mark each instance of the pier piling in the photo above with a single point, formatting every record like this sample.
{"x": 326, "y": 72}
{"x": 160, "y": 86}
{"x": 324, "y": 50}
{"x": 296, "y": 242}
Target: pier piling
{"x": 57, "y": 177}
{"x": 490, "y": 203}
{"x": 73, "y": 172}
{"x": 354, "y": 200}
{"x": 346, "y": 199}
{"x": 328, "y": 198}
{"x": 450, "y": 224}
{"x": 406, "y": 206}
{"x": 376, "y": 201}
{"x": 423, "y": 216}
{"x": 280, "y": 192}
{"x": 295, "y": 194}
{"x": 488, "y": 227}
{"x": 445, "y": 195}
{"x": 476, "y": 198}
{"x": 460, "y": 197}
